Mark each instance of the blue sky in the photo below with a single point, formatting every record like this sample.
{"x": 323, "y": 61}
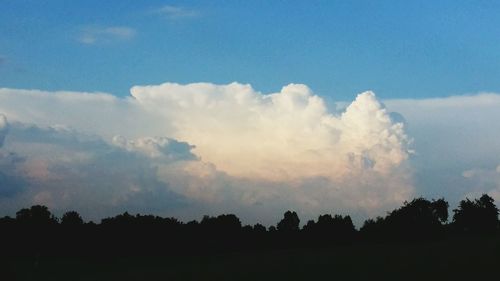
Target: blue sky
{"x": 338, "y": 48}
{"x": 299, "y": 130}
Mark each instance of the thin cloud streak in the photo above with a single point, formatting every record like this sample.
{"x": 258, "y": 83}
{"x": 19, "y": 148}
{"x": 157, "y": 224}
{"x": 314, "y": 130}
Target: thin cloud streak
{"x": 93, "y": 35}
{"x": 177, "y": 12}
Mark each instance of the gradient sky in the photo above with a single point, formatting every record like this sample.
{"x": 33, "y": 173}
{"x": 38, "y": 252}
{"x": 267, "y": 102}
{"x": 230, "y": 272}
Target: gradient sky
{"x": 317, "y": 106}
{"x": 338, "y": 48}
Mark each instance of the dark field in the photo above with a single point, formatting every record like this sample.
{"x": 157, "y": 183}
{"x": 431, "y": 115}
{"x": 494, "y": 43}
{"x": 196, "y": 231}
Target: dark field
{"x": 462, "y": 259}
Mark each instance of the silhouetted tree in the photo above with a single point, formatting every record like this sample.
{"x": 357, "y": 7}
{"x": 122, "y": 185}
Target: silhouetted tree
{"x": 259, "y": 228}
{"x": 71, "y": 218}
{"x": 247, "y": 229}
{"x": 229, "y": 223}
{"x": 478, "y": 216}
{"x": 36, "y": 215}
{"x": 336, "y": 225}
{"x": 373, "y": 229}
{"x": 35, "y": 230}
{"x": 418, "y": 219}
{"x": 6, "y": 222}
{"x": 440, "y": 209}
{"x": 289, "y": 223}
{"x": 309, "y": 226}
{"x": 222, "y": 223}
{"x": 330, "y": 230}
{"x": 191, "y": 226}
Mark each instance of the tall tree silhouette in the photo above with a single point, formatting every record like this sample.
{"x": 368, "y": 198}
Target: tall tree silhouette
{"x": 327, "y": 224}
{"x": 71, "y": 218}
{"x": 259, "y": 228}
{"x": 418, "y": 219}
{"x": 223, "y": 223}
{"x": 36, "y": 215}
{"x": 289, "y": 223}
{"x": 478, "y": 216}
{"x": 330, "y": 230}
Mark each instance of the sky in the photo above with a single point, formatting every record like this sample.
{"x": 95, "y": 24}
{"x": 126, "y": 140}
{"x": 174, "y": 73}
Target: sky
{"x": 185, "y": 108}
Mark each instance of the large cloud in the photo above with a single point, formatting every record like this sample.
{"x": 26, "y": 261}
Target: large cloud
{"x": 4, "y": 128}
{"x": 483, "y": 181}
{"x": 64, "y": 169}
{"x": 279, "y": 136}
{"x": 453, "y": 135}
{"x": 227, "y": 147}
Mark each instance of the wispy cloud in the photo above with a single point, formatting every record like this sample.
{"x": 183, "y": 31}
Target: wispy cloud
{"x": 95, "y": 34}
{"x": 177, "y": 12}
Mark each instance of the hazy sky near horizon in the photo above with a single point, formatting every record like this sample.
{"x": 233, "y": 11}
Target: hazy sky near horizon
{"x": 191, "y": 107}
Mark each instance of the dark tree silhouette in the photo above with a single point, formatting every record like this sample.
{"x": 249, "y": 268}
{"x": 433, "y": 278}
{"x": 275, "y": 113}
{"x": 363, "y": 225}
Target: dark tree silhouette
{"x": 35, "y": 230}
{"x": 36, "y": 215}
{"x": 478, "y": 216}
{"x": 373, "y": 229}
{"x": 329, "y": 230}
{"x": 309, "y": 226}
{"x": 289, "y": 223}
{"x": 336, "y": 225}
{"x": 440, "y": 209}
{"x": 329, "y": 225}
{"x": 71, "y": 218}
{"x": 415, "y": 220}
{"x": 6, "y": 222}
{"x": 222, "y": 223}
{"x": 247, "y": 228}
{"x": 259, "y": 228}
{"x": 121, "y": 220}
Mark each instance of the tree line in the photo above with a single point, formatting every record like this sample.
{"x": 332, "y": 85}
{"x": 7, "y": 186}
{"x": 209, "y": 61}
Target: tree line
{"x": 37, "y": 230}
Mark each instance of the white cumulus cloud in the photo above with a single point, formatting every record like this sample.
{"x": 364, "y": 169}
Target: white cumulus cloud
{"x": 156, "y": 147}
{"x": 226, "y": 147}
{"x": 280, "y": 136}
